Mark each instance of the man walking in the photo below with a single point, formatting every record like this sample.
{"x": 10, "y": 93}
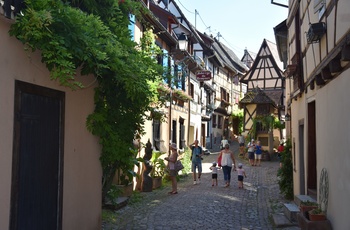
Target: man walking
{"x": 196, "y": 158}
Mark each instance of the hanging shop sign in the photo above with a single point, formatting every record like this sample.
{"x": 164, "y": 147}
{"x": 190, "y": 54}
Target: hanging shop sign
{"x": 203, "y": 75}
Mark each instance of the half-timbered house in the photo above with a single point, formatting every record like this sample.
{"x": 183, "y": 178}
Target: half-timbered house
{"x": 265, "y": 95}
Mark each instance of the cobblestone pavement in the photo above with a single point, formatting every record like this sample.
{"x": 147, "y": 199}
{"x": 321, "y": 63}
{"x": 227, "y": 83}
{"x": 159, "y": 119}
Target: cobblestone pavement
{"x": 202, "y": 206}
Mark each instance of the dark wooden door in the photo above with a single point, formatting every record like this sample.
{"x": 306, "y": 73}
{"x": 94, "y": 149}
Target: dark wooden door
{"x": 312, "y": 151}
{"x": 36, "y": 196}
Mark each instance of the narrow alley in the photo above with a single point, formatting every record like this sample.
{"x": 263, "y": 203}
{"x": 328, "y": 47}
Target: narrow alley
{"x": 202, "y": 206}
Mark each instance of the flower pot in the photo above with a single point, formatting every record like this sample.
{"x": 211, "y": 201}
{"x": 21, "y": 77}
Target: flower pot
{"x": 317, "y": 217}
{"x": 306, "y": 208}
{"x": 126, "y": 190}
{"x": 157, "y": 182}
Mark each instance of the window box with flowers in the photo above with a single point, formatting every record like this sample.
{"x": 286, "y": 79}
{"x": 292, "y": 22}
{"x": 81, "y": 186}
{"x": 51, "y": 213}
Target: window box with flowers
{"x": 163, "y": 89}
{"x": 179, "y": 94}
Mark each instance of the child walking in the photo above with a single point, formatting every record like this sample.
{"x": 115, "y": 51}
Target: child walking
{"x": 214, "y": 174}
{"x": 241, "y": 173}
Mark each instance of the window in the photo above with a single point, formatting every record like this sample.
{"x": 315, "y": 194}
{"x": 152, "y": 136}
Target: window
{"x": 223, "y": 94}
{"x": 214, "y": 121}
{"x": 219, "y": 122}
{"x": 132, "y": 26}
{"x": 180, "y": 77}
{"x": 182, "y": 134}
{"x": 156, "y": 134}
{"x": 263, "y": 109}
{"x": 174, "y": 138}
{"x": 192, "y": 90}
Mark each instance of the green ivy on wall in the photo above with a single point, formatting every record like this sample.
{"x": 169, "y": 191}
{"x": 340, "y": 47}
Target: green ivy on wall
{"x": 93, "y": 36}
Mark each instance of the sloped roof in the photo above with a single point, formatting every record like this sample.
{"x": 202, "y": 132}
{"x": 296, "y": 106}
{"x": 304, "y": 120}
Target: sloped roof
{"x": 275, "y": 96}
{"x": 265, "y": 70}
{"x": 274, "y": 52}
{"x": 229, "y": 57}
{"x": 257, "y": 96}
{"x": 250, "y": 54}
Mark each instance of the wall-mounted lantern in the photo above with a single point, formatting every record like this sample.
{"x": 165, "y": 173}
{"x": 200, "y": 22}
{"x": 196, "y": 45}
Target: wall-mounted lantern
{"x": 183, "y": 41}
{"x": 287, "y": 117}
{"x": 316, "y": 31}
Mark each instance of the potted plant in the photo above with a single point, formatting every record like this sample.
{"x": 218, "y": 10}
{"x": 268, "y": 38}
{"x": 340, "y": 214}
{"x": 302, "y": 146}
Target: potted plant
{"x": 317, "y": 215}
{"x": 307, "y": 205}
{"x": 158, "y": 168}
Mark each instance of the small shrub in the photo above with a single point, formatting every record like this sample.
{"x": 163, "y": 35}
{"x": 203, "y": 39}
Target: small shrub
{"x": 286, "y": 172}
{"x": 308, "y": 203}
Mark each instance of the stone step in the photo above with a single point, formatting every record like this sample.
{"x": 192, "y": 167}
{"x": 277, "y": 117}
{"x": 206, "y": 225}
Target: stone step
{"x": 299, "y": 198}
{"x": 280, "y": 221}
{"x": 291, "y": 211}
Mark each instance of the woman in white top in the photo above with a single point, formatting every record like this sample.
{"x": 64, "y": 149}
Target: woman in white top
{"x": 228, "y": 163}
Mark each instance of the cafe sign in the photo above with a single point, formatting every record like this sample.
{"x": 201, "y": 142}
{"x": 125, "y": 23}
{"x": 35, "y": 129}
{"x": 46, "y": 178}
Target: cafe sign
{"x": 203, "y": 75}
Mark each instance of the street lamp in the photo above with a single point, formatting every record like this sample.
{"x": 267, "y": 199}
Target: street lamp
{"x": 287, "y": 117}
{"x": 183, "y": 42}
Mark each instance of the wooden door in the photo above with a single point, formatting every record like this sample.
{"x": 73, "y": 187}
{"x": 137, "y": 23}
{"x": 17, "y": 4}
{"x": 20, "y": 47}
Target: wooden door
{"x": 37, "y": 176}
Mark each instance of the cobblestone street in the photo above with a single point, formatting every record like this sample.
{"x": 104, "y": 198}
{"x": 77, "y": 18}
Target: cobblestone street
{"x": 202, "y": 206}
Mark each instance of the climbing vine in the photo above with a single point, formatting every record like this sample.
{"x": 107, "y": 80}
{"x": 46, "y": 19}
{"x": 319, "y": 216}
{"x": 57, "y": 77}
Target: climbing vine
{"x": 93, "y": 36}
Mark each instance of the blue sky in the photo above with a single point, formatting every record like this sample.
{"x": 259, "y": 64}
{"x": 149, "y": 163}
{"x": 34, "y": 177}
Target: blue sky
{"x": 241, "y": 23}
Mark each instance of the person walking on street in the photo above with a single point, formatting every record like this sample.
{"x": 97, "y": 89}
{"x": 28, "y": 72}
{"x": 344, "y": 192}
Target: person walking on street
{"x": 241, "y": 173}
{"x": 241, "y": 142}
{"x": 171, "y": 164}
{"x": 224, "y": 141}
{"x": 196, "y": 159}
{"x": 227, "y": 161}
{"x": 258, "y": 152}
{"x": 251, "y": 150}
{"x": 214, "y": 174}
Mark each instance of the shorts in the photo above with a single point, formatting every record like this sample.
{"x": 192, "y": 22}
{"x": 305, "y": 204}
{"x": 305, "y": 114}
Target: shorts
{"x": 172, "y": 172}
{"x": 251, "y": 155}
{"x": 241, "y": 144}
{"x": 196, "y": 165}
{"x": 214, "y": 176}
{"x": 257, "y": 156}
{"x": 240, "y": 178}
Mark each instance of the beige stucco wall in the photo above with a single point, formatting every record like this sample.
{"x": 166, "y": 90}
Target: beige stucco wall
{"x": 332, "y": 134}
{"x": 332, "y": 126}
{"x": 82, "y": 170}
{"x": 332, "y": 109}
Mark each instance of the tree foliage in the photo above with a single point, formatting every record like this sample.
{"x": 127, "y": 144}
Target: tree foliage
{"x": 93, "y": 37}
